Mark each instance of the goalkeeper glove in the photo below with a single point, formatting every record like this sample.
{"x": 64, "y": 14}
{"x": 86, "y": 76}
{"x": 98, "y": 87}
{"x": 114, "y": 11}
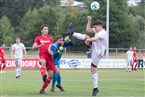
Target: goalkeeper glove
{"x": 67, "y": 39}
{"x": 61, "y": 48}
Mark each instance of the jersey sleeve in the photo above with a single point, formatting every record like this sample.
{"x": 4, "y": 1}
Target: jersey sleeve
{"x": 55, "y": 53}
{"x": 13, "y": 47}
{"x": 70, "y": 43}
{"x": 23, "y": 46}
{"x": 102, "y": 34}
{"x": 36, "y": 40}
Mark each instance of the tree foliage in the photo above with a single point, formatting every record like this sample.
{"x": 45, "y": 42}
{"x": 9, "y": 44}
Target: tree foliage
{"x": 6, "y": 31}
{"x": 26, "y": 16}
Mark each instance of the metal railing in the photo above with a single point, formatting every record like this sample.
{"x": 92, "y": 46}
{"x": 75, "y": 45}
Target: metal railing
{"x": 119, "y": 53}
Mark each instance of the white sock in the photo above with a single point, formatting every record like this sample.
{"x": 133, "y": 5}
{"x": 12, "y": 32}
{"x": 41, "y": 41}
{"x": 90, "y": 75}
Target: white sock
{"x": 127, "y": 67}
{"x": 95, "y": 79}
{"x": 79, "y": 36}
{"x": 17, "y": 71}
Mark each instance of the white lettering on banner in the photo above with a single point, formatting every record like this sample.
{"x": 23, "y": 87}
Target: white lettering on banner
{"x": 10, "y": 63}
{"x": 70, "y": 63}
{"x": 26, "y": 63}
{"x": 85, "y": 63}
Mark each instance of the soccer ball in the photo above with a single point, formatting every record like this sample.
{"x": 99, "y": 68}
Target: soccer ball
{"x": 95, "y": 5}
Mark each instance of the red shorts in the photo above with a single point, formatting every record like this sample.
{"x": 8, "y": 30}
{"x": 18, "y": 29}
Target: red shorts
{"x": 49, "y": 62}
{"x": 2, "y": 60}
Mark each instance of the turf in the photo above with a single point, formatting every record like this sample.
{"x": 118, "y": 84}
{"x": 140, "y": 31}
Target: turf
{"x": 77, "y": 83}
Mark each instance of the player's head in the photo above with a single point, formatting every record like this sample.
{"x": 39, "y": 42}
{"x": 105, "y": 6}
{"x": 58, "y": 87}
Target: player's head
{"x": 98, "y": 25}
{"x": 44, "y": 29}
{"x": 130, "y": 48}
{"x": 18, "y": 39}
{"x": 134, "y": 48}
{"x": 59, "y": 39}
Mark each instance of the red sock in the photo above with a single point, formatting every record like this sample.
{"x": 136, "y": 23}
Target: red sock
{"x": 43, "y": 70}
{"x": 132, "y": 66}
{"x": 135, "y": 65}
{"x": 3, "y": 67}
{"x": 0, "y": 67}
{"x": 45, "y": 84}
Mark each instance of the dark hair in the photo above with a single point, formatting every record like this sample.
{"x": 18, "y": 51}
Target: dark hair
{"x": 58, "y": 37}
{"x": 17, "y": 37}
{"x": 44, "y": 25}
{"x": 98, "y": 22}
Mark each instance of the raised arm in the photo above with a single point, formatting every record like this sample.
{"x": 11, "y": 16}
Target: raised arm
{"x": 88, "y": 26}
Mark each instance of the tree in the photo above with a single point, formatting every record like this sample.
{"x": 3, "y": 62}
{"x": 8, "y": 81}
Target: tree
{"x": 15, "y": 9}
{"x": 6, "y": 31}
{"x": 34, "y": 18}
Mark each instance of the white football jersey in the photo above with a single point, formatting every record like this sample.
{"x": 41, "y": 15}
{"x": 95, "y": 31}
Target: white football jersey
{"x": 18, "y": 50}
{"x": 130, "y": 55}
{"x": 101, "y": 44}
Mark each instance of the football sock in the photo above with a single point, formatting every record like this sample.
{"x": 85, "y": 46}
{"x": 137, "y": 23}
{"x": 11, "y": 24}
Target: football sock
{"x": 55, "y": 77}
{"x": 0, "y": 67}
{"x": 79, "y": 36}
{"x": 17, "y": 71}
{"x": 45, "y": 84}
{"x": 127, "y": 67}
{"x": 3, "y": 67}
{"x": 95, "y": 79}
{"x": 135, "y": 65}
{"x": 42, "y": 70}
{"x": 59, "y": 80}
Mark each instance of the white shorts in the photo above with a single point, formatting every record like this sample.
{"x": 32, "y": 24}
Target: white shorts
{"x": 129, "y": 61}
{"x": 95, "y": 58}
{"x": 18, "y": 61}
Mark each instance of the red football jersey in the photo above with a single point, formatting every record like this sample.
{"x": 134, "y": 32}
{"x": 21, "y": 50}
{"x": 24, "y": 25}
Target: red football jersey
{"x": 2, "y": 52}
{"x": 134, "y": 53}
{"x": 46, "y": 40}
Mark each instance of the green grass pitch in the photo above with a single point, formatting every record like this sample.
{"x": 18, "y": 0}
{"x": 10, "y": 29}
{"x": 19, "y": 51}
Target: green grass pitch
{"x": 77, "y": 83}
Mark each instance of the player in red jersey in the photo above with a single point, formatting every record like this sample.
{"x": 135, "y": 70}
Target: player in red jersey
{"x": 2, "y": 59}
{"x": 135, "y": 62}
{"x": 42, "y": 43}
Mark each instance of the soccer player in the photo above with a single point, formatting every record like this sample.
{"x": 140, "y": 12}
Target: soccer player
{"x": 42, "y": 43}
{"x": 135, "y": 61}
{"x": 143, "y": 60}
{"x": 97, "y": 45}
{"x": 18, "y": 49}
{"x": 129, "y": 59}
{"x": 58, "y": 50}
{"x": 2, "y": 59}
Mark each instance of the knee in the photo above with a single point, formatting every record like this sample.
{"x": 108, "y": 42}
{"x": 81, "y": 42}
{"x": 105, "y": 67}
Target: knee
{"x": 93, "y": 68}
{"x": 43, "y": 62}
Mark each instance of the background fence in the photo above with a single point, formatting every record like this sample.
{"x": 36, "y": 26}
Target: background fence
{"x": 119, "y": 53}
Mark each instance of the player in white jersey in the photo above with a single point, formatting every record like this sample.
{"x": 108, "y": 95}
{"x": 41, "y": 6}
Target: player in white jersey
{"x": 18, "y": 49}
{"x": 129, "y": 59}
{"x": 99, "y": 44}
